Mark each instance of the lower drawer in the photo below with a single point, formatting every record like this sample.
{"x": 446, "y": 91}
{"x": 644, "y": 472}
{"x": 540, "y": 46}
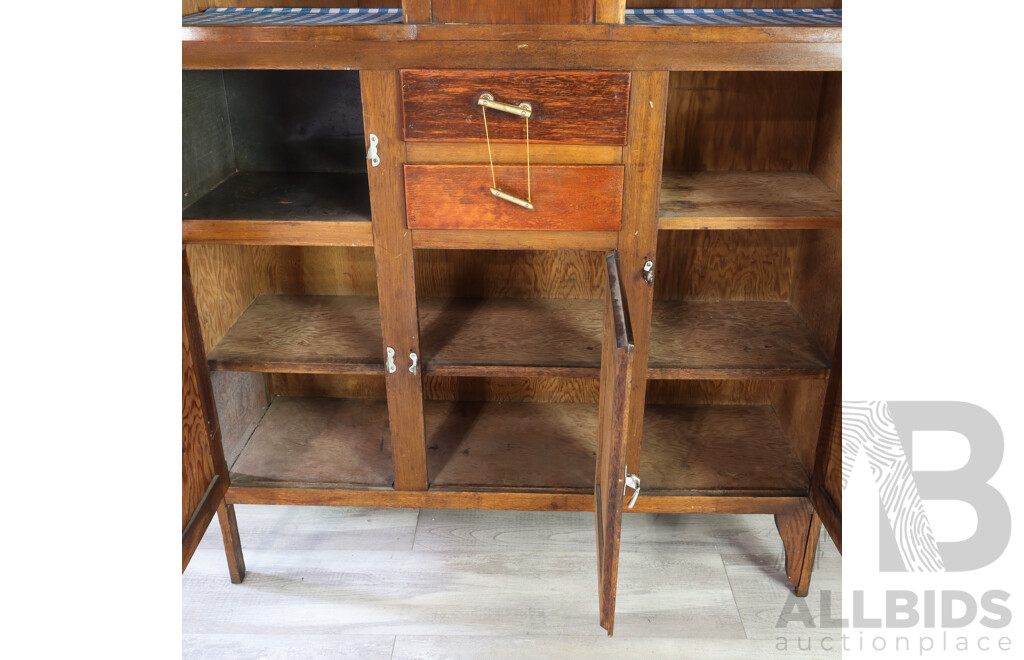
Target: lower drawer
{"x": 564, "y": 197}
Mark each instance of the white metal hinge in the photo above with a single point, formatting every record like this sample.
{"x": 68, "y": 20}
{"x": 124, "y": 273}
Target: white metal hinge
{"x": 390, "y": 362}
{"x": 371, "y": 154}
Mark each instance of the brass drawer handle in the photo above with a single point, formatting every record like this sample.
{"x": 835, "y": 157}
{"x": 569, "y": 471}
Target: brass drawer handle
{"x": 522, "y": 110}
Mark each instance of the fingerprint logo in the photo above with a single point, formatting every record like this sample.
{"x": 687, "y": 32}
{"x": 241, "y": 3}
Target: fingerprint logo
{"x": 869, "y": 428}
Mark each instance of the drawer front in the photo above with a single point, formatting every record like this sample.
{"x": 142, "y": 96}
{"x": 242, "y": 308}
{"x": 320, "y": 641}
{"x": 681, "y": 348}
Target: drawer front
{"x": 565, "y": 197}
{"x": 569, "y": 107}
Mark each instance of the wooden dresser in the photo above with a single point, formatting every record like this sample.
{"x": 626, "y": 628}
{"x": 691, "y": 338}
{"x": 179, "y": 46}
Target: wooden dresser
{"x": 574, "y": 255}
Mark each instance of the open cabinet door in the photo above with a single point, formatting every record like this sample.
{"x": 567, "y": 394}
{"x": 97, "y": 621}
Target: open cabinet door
{"x": 204, "y": 474}
{"x": 827, "y": 482}
{"x": 609, "y": 483}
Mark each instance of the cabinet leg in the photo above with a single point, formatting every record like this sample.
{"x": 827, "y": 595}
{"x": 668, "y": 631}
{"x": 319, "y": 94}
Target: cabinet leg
{"x": 232, "y": 544}
{"x": 799, "y": 529}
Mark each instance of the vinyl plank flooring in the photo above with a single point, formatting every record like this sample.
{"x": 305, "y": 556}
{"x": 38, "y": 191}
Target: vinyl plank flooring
{"x": 303, "y": 528}
{"x": 287, "y": 647}
{"x": 437, "y": 647}
{"x": 456, "y": 593}
{"x": 762, "y": 591}
{"x": 498, "y": 531}
{"x": 341, "y": 582}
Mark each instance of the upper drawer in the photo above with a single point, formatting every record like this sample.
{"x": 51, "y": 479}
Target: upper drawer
{"x": 569, "y": 107}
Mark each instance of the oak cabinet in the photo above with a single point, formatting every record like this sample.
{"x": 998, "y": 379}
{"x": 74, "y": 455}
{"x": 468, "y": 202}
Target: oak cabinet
{"x": 367, "y": 323}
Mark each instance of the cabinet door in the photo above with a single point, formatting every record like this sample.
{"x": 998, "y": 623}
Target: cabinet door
{"x": 204, "y": 474}
{"x": 616, "y": 362}
{"x": 827, "y": 483}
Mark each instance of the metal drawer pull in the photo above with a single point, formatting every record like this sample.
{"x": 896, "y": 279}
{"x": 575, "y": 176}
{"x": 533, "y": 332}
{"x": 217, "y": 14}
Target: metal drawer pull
{"x": 521, "y": 110}
{"x": 524, "y": 110}
{"x": 511, "y": 198}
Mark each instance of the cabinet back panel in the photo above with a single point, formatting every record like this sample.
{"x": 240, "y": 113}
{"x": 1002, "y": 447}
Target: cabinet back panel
{"x": 227, "y": 278}
{"x": 509, "y": 274}
{"x": 296, "y": 121}
{"x": 725, "y": 265}
{"x": 741, "y": 120}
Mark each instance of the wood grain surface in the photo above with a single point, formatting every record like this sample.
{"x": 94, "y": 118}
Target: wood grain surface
{"x": 509, "y": 273}
{"x": 749, "y": 339}
{"x": 510, "y": 337}
{"x": 326, "y": 441}
{"x": 393, "y": 253}
{"x": 747, "y": 200}
{"x": 512, "y": 11}
{"x": 718, "y": 449}
{"x": 617, "y": 354}
{"x": 204, "y": 474}
{"x": 726, "y": 265}
{"x": 304, "y": 334}
{"x": 569, "y": 107}
{"x": 741, "y": 120}
{"x": 511, "y": 445}
{"x": 565, "y": 197}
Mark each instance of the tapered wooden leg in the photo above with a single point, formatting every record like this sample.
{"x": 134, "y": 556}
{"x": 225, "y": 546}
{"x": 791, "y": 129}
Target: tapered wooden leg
{"x": 232, "y": 544}
{"x": 799, "y": 529}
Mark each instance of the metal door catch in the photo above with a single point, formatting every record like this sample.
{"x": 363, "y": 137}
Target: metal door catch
{"x": 412, "y": 369}
{"x": 649, "y": 272}
{"x": 632, "y": 481}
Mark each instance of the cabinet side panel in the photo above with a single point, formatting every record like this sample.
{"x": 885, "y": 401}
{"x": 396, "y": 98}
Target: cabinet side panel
{"x": 798, "y": 405}
{"x": 207, "y": 153}
{"x": 225, "y": 285}
{"x": 827, "y": 161}
{"x": 241, "y": 401}
{"x": 818, "y": 285}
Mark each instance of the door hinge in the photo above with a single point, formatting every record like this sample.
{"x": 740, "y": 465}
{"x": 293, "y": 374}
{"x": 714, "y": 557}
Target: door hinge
{"x": 390, "y": 362}
{"x": 632, "y": 481}
{"x": 371, "y": 153}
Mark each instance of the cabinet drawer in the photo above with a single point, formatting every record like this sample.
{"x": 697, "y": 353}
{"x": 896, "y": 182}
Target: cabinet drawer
{"x": 569, "y": 107}
{"x": 565, "y": 197}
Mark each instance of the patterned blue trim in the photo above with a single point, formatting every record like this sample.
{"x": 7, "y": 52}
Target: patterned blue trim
{"x": 293, "y": 16}
{"x": 341, "y": 16}
{"x": 734, "y": 17}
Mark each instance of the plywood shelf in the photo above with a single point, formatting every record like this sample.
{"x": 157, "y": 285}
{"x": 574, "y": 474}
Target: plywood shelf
{"x": 486, "y": 445}
{"x": 747, "y": 200}
{"x": 732, "y": 339}
{"x": 524, "y": 338}
{"x": 718, "y": 450}
{"x": 304, "y": 334}
{"x": 336, "y": 442}
{"x": 282, "y": 208}
{"x": 530, "y": 337}
{"x": 562, "y": 338}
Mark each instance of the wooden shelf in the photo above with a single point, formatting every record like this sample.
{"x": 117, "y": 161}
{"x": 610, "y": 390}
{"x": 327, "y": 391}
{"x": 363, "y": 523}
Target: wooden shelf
{"x": 715, "y": 451}
{"x": 524, "y": 338}
{"x": 282, "y": 208}
{"x": 747, "y": 200}
{"x": 318, "y": 441}
{"x": 530, "y": 337}
{"x": 718, "y": 450}
{"x": 732, "y": 339}
{"x": 508, "y": 446}
{"x": 304, "y": 334}
{"x": 562, "y": 338}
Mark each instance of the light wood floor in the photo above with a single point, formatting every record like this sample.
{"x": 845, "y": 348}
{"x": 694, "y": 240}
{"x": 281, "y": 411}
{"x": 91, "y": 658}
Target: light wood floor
{"x": 406, "y": 583}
